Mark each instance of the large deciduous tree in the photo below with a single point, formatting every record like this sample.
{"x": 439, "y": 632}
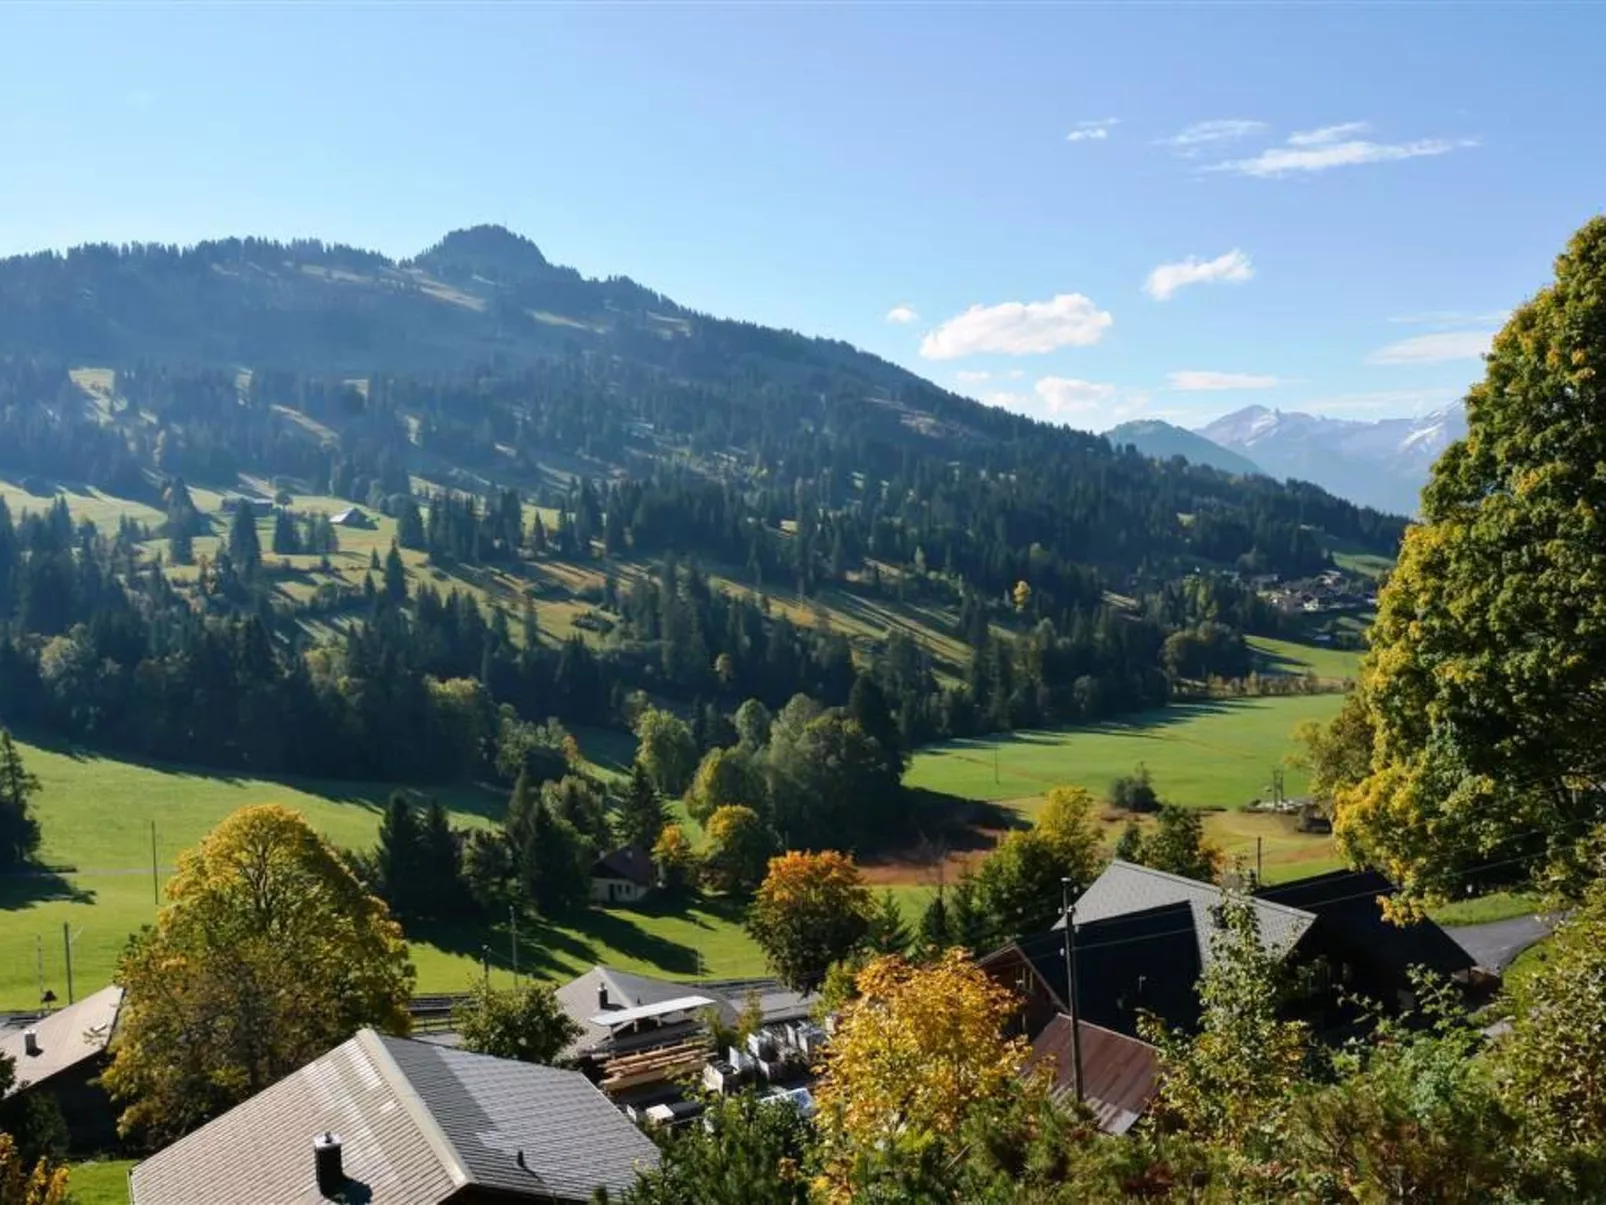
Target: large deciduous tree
{"x": 810, "y": 911}
{"x": 1486, "y": 682}
{"x": 739, "y": 849}
{"x": 524, "y": 1023}
{"x": 914, "y": 1056}
{"x": 267, "y": 954}
{"x": 666, "y": 750}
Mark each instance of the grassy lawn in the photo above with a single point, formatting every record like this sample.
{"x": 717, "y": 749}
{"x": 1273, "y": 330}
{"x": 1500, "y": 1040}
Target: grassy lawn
{"x": 100, "y": 1182}
{"x": 1287, "y": 657}
{"x": 1218, "y": 753}
{"x": 1485, "y": 909}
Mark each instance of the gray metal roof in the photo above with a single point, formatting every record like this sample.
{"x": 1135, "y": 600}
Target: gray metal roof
{"x": 417, "y": 1123}
{"x": 65, "y": 1038}
{"x": 579, "y": 1000}
{"x": 1126, "y": 887}
{"x": 572, "y": 1139}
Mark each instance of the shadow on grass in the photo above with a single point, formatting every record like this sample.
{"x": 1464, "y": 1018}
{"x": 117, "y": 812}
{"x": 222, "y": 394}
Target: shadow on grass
{"x": 1140, "y": 724}
{"x": 26, "y": 888}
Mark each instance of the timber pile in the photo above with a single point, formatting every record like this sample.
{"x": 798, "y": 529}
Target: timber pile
{"x": 654, "y": 1066}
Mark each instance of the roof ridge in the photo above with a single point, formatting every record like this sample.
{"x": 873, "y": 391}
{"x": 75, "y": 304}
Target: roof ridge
{"x": 1260, "y": 901}
{"x": 373, "y": 1044}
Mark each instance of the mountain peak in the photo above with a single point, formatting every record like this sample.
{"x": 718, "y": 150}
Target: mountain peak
{"x": 494, "y": 252}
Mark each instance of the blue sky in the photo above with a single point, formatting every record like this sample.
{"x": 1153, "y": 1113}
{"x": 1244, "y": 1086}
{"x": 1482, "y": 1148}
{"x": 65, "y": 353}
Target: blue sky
{"x": 1341, "y": 202}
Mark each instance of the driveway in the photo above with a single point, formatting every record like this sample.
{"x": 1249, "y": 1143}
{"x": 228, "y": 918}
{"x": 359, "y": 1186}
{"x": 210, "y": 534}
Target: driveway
{"x": 1497, "y": 944}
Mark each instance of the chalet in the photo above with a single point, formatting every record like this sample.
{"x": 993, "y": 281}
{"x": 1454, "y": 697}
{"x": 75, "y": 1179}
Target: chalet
{"x": 1143, "y": 937}
{"x": 354, "y": 517}
{"x": 623, "y": 876}
{"x": 396, "y": 1122}
{"x": 247, "y": 502}
{"x": 608, "y": 1004}
{"x": 61, "y": 1056}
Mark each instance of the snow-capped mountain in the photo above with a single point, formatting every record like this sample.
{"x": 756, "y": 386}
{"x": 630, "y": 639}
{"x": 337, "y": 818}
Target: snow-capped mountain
{"x": 1383, "y": 463}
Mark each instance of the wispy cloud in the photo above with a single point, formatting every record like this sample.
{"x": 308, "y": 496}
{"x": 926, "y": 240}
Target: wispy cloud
{"x": 1193, "y": 380}
{"x": 1165, "y": 280}
{"x": 1326, "y": 134}
{"x": 902, "y": 314}
{"x": 1434, "y": 349}
{"x": 1068, "y": 395}
{"x": 1449, "y": 319}
{"x": 967, "y": 377}
{"x": 1334, "y": 146}
{"x": 1091, "y": 405}
{"x": 1019, "y": 328}
{"x": 1092, "y": 131}
{"x": 1190, "y": 139}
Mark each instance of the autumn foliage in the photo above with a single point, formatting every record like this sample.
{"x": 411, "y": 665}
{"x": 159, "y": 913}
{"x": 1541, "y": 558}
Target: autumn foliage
{"x": 810, "y": 911}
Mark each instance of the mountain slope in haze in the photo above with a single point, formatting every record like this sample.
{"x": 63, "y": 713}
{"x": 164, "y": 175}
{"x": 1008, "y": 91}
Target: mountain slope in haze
{"x": 1162, "y": 440}
{"x": 1382, "y": 464}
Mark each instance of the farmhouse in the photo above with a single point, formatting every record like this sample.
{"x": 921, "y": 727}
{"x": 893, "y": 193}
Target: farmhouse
{"x": 354, "y": 517}
{"x": 623, "y": 876}
{"x": 1143, "y": 937}
{"x": 61, "y": 1056}
{"x": 396, "y": 1122}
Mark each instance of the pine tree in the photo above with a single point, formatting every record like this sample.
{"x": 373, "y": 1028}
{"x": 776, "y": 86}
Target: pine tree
{"x": 401, "y": 855}
{"x": 19, "y": 831}
{"x": 440, "y": 862}
{"x": 395, "y": 576}
{"x": 409, "y": 525}
{"x": 245, "y": 549}
{"x": 889, "y": 932}
{"x": 641, "y": 817}
{"x": 286, "y": 540}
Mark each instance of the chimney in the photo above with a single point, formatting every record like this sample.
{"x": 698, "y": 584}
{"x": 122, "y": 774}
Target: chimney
{"x": 30, "y": 1043}
{"x": 602, "y": 997}
{"x": 327, "y": 1163}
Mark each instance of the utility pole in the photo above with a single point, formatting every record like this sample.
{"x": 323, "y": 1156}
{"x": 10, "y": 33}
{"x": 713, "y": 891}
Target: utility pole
{"x": 156, "y": 887}
{"x": 66, "y": 943}
{"x": 39, "y": 958}
{"x": 1259, "y": 873}
{"x": 1070, "y": 984}
{"x": 513, "y": 939}
{"x": 995, "y": 765}
{"x": 485, "y": 965}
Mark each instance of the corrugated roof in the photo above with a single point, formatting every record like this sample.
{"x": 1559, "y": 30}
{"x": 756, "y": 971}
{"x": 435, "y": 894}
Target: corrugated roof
{"x": 66, "y": 1037}
{"x": 573, "y": 1141}
{"x": 1126, "y": 887}
{"x": 1119, "y": 1074}
{"x": 416, "y": 1122}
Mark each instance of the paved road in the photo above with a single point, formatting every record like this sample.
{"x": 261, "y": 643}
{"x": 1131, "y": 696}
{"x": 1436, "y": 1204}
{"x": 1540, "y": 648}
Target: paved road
{"x": 1497, "y": 944}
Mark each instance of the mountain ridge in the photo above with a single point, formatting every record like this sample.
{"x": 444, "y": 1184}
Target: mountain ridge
{"x": 1162, "y": 440}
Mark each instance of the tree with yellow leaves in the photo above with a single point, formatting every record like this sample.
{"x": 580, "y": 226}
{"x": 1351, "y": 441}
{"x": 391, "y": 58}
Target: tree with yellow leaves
{"x": 914, "y": 1056}
{"x": 1022, "y": 595}
{"x": 41, "y": 1184}
{"x": 267, "y": 954}
{"x": 810, "y": 911}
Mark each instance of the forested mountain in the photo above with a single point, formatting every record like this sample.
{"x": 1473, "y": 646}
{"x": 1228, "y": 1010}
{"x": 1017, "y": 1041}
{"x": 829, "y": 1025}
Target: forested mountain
{"x": 1162, "y": 440}
{"x": 510, "y": 418}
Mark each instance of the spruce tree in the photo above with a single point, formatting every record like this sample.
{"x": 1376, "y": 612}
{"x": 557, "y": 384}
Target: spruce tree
{"x": 19, "y": 831}
{"x": 641, "y": 816}
{"x": 401, "y": 855}
{"x": 245, "y": 549}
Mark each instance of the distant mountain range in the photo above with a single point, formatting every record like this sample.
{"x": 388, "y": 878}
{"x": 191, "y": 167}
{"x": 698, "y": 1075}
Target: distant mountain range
{"x": 1383, "y": 463}
{"x": 1163, "y": 440}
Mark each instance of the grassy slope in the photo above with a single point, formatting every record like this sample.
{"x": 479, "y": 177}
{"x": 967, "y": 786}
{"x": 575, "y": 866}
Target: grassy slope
{"x": 100, "y": 1182}
{"x": 1287, "y": 657}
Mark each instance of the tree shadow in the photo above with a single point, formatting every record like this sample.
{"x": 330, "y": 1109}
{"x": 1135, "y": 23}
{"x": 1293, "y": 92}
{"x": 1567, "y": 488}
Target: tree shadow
{"x": 21, "y": 889}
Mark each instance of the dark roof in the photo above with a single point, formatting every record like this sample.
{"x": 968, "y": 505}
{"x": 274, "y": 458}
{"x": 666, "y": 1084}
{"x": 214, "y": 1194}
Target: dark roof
{"x": 580, "y": 1000}
{"x": 1347, "y": 905}
{"x": 1119, "y": 1073}
{"x": 418, "y": 1123}
{"x": 627, "y": 862}
{"x": 1126, "y": 887}
{"x": 1144, "y": 961}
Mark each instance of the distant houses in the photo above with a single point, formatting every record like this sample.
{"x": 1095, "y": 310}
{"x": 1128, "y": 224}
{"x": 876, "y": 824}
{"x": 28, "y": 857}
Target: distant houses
{"x": 623, "y": 876}
{"x": 354, "y": 518}
{"x": 391, "y": 1121}
{"x": 61, "y": 1056}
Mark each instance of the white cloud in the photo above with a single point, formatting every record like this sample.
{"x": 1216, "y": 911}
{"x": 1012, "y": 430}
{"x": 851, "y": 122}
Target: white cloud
{"x": 902, "y": 314}
{"x": 1092, "y": 131}
{"x": 1165, "y": 280}
{"x": 1434, "y": 349}
{"x": 966, "y": 377}
{"x": 1015, "y": 374}
{"x": 1202, "y": 133}
{"x": 1068, "y": 395}
{"x": 1019, "y": 328}
{"x": 1448, "y": 319}
{"x": 1323, "y": 154}
{"x": 1190, "y": 381}
{"x": 1328, "y": 134}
